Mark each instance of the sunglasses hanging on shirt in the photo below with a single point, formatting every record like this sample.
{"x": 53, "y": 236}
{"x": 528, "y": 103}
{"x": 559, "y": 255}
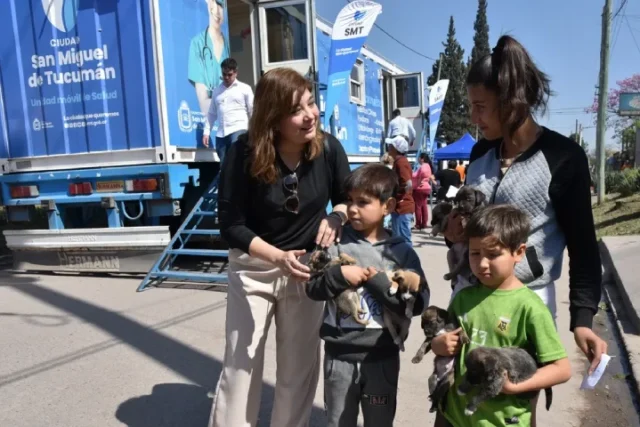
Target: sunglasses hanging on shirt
{"x": 290, "y": 184}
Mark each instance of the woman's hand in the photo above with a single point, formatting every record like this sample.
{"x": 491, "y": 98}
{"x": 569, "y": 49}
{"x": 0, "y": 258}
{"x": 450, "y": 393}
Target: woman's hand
{"x": 355, "y": 275}
{"x": 447, "y": 344}
{"x": 330, "y": 230}
{"x": 289, "y": 263}
{"x": 591, "y": 345}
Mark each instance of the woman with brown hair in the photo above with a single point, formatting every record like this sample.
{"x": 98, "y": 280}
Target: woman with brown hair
{"x": 275, "y": 185}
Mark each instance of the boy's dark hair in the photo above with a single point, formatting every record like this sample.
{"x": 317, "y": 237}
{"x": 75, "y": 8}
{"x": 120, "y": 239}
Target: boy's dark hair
{"x": 229, "y": 64}
{"x": 395, "y": 113}
{"x": 374, "y": 179}
{"x": 508, "y": 225}
{"x": 452, "y": 164}
{"x": 512, "y": 75}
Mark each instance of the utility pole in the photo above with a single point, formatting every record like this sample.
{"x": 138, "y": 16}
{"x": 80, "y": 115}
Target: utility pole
{"x": 576, "y": 134}
{"x": 602, "y": 95}
{"x": 580, "y": 135}
{"x": 439, "y": 67}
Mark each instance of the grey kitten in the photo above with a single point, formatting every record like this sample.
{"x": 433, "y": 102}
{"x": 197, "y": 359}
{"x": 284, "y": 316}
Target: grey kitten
{"x": 485, "y": 372}
{"x": 436, "y": 321}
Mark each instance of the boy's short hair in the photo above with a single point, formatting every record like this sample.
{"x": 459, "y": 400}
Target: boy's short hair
{"x": 507, "y": 224}
{"x": 229, "y": 64}
{"x": 374, "y": 179}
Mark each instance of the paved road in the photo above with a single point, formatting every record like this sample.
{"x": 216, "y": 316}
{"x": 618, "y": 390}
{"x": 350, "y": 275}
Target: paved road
{"x": 84, "y": 351}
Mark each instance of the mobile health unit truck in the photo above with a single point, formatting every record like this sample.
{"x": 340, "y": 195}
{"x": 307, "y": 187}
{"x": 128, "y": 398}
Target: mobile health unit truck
{"x": 103, "y": 104}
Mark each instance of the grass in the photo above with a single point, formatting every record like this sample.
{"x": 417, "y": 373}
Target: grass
{"x": 618, "y": 216}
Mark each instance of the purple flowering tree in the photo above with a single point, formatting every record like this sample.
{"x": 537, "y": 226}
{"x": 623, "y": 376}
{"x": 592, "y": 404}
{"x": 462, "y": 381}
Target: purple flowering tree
{"x": 619, "y": 124}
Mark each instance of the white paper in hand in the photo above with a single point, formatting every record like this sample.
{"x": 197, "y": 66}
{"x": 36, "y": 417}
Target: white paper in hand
{"x": 589, "y": 382}
{"x": 452, "y": 191}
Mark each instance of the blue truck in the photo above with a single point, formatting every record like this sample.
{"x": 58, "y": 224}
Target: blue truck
{"x": 103, "y": 104}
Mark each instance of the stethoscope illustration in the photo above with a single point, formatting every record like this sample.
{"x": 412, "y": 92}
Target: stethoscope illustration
{"x": 207, "y": 55}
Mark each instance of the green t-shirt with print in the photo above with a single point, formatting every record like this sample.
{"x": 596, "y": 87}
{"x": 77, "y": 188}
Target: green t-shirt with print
{"x": 497, "y": 318}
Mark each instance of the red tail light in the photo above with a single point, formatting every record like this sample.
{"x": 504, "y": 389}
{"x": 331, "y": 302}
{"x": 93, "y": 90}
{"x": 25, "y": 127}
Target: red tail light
{"x": 142, "y": 185}
{"x": 80, "y": 189}
{"x": 22, "y": 191}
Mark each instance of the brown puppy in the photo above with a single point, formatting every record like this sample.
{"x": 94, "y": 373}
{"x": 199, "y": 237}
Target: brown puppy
{"x": 404, "y": 283}
{"x": 348, "y": 302}
{"x": 436, "y": 321}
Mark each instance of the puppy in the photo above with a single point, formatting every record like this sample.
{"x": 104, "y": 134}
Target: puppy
{"x": 440, "y": 217}
{"x": 348, "y": 301}
{"x": 486, "y": 368}
{"x": 467, "y": 201}
{"x": 406, "y": 284}
{"x": 436, "y": 321}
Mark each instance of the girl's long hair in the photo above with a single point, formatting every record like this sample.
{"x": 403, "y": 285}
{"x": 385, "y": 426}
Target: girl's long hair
{"x": 521, "y": 87}
{"x": 277, "y": 93}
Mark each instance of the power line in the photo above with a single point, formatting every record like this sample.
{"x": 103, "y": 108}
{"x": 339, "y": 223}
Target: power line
{"x": 632, "y": 34}
{"x": 622, "y": 5}
{"x": 402, "y": 43}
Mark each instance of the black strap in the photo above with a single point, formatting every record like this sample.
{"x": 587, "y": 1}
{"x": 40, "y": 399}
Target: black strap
{"x": 328, "y": 161}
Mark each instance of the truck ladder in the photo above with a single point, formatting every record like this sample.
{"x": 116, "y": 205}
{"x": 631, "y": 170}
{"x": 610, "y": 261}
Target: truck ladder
{"x": 165, "y": 267}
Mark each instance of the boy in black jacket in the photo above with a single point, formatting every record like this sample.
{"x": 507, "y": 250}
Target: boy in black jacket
{"x": 362, "y": 362}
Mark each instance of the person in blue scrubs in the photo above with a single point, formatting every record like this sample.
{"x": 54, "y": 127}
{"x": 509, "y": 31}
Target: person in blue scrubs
{"x": 207, "y": 51}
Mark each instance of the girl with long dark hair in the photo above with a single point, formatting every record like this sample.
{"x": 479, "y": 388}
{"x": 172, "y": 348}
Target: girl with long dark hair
{"x": 543, "y": 173}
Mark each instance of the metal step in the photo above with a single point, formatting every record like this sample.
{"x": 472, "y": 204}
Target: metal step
{"x": 192, "y": 276}
{"x": 201, "y": 232}
{"x": 164, "y": 268}
{"x": 199, "y": 252}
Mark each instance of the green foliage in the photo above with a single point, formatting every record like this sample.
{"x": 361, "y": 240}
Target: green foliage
{"x": 481, "y": 38}
{"x": 454, "y": 121}
{"x": 625, "y": 183}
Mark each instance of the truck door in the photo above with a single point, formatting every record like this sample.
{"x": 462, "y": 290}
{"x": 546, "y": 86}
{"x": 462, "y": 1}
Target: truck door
{"x": 407, "y": 95}
{"x": 284, "y": 35}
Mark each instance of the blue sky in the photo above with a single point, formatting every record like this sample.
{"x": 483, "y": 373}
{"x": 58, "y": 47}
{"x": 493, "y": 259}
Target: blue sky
{"x": 563, "y": 36}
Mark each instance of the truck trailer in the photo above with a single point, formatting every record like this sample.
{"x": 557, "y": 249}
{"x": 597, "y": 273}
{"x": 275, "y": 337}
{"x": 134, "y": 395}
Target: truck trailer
{"x": 103, "y": 105}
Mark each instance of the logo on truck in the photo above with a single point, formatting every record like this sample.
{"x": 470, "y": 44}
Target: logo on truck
{"x": 61, "y": 13}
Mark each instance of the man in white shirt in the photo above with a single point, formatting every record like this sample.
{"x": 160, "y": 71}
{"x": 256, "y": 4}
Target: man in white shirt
{"x": 232, "y": 106}
{"x": 401, "y": 126}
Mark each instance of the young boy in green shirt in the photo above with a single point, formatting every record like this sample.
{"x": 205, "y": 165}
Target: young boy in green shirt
{"x": 501, "y": 312}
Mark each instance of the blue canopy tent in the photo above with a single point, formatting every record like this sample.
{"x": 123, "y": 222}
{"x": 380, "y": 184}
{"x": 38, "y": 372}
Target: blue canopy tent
{"x": 459, "y": 150}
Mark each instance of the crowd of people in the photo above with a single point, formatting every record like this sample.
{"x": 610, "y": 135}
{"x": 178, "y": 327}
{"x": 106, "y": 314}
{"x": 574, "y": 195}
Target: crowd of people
{"x": 276, "y": 182}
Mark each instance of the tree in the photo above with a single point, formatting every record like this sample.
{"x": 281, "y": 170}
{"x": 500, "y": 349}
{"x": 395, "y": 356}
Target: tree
{"x": 628, "y": 138}
{"x": 481, "y": 38}
{"x": 619, "y": 124}
{"x": 454, "y": 120}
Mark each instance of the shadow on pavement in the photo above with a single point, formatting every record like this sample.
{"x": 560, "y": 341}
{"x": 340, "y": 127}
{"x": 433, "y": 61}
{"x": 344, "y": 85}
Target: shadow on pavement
{"x": 169, "y": 404}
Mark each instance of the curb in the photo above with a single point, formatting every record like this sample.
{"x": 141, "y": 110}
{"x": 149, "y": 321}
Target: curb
{"x": 610, "y": 275}
{"x": 630, "y": 342}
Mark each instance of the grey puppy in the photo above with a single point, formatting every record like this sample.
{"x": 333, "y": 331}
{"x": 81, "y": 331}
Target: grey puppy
{"x": 436, "y": 321}
{"x": 467, "y": 200}
{"x": 439, "y": 217}
{"x": 486, "y": 368}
